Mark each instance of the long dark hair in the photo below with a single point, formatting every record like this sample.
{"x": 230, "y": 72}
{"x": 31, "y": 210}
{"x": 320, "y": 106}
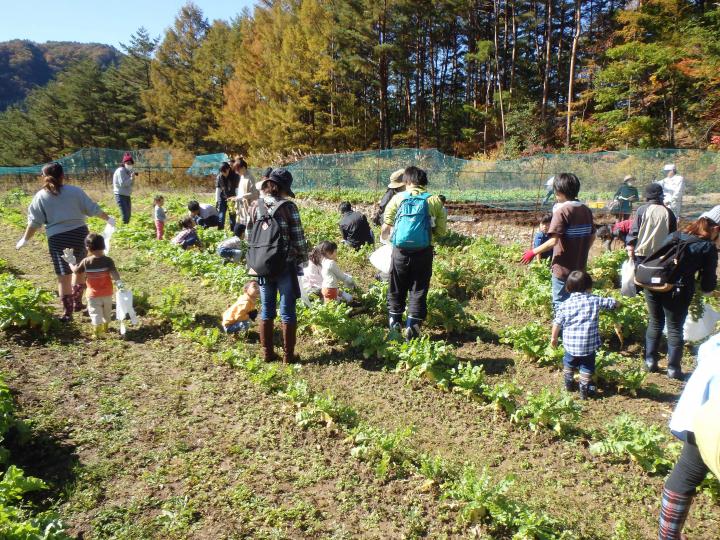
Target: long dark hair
{"x": 53, "y": 176}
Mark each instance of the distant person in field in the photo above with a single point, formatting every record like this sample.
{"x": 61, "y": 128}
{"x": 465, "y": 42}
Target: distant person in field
{"x": 231, "y": 249}
{"x": 331, "y": 274}
{"x": 354, "y": 227}
{"x": 395, "y": 186}
{"x": 123, "y": 179}
{"x": 578, "y": 320}
{"x": 694, "y": 422}
{"x": 239, "y": 316}
{"x": 159, "y": 216}
{"x": 101, "y": 273}
{"x": 674, "y": 188}
{"x": 549, "y": 190}
{"x": 245, "y": 193}
{"x": 204, "y": 215}
{"x": 413, "y": 219}
{"x": 652, "y": 224}
{"x": 542, "y": 236}
{"x": 225, "y": 186}
{"x": 624, "y": 197}
{"x": 187, "y": 237}
{"x": 274, "y": 200}
{"x": 571, "y": 232}
{"x": 63, "y": 210}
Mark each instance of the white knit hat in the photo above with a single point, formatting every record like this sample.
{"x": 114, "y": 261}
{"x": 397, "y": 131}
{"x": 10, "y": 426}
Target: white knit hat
{"x": 713, "y": 213}
{"x": 669, "y": 167}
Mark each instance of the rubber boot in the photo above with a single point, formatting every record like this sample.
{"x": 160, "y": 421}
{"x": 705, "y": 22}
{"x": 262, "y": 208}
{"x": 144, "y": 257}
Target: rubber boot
{"x": 98, "y": 331}
{"x": 587, "y": 388}
{"x": 67, "y": 304}
{"x": 105, "y": 327}
{"x": 412, "y": 328}
{"x": 265, "y": 330}
{"x": 289, "y": 331}
{"x": 569, "y": 377}
{"x": 673, "y": 513}
{"x": 395, "y": 323}
{"x": 77, "y": 294}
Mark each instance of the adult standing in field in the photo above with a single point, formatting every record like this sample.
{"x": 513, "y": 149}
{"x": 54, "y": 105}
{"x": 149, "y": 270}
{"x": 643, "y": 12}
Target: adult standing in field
{"x": 245, "y": 193}
{"x": 693, "y": 420}
{"x": 282, "y": 260}
{"x": 624, "y": 197}
{"x": 225, "y": 185}
{"x": 669, "y": 309}
{"x": 413, "y": 220}
{"x": 652, "y": 224}
{"x": 354, "y": 227}
{"x": 674, "y": 188}
{"x": 395, "y": 186}
{"x": 63, "y": 210}
{"x": 123, "y": 179}
{"x": 571, "y": 232}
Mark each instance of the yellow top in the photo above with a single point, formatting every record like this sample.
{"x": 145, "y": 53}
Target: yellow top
{"x": 239, "y": 311}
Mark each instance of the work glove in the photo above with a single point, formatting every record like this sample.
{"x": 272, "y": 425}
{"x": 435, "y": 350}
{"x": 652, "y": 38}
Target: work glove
{"x": 120, "y": 285}
{"x": 111, "y": 221}
{"x": 527, "y": 256}
{"x": 69, "y": 256}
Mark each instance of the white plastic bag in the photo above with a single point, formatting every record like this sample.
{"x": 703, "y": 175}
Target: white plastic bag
{"x": 627, "y": 275}
{"x": 124, "y": 308}
{"x": 107, "y": 234}
{"x": 699, "y": 330}
{"x": 381, "y": 258}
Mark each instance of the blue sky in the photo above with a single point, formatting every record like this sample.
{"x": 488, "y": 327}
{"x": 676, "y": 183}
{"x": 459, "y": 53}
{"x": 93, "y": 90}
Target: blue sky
{"x": 98, "y": 21}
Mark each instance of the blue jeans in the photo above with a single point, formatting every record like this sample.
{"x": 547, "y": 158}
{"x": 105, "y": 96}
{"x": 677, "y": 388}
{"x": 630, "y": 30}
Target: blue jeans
{"x": 234, "y": 255}
{"x": 559, "y": 293}
{"x": 240, "y": 326}
{"x": 123, "y": 201}
{"x": 222, "y": 208}
{"x": 671, "y": 309}
{"x": 586, "y": 364}
{"x": 289, "y": 288}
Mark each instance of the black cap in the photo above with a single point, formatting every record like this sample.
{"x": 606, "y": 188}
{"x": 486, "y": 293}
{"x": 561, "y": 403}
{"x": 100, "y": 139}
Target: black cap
{"x": 283, "y": 178}
{"x": 654, "y": 192}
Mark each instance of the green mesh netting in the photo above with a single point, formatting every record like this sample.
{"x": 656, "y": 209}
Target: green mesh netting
{"x": 206, "y": 164}
{"x": 88, "y": 160}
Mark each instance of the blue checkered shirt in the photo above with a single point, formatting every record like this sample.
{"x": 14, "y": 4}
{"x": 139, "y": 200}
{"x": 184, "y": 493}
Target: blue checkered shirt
{"x": 578, "y": 317}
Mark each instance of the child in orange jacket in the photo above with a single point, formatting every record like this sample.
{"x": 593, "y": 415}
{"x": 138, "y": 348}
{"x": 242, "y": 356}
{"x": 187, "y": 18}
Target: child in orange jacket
{"x": 239, "y": 316}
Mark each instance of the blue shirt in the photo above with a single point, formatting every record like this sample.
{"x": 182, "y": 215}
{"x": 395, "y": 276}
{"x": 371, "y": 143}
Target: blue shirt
{"x": 578, "y": 317}
{"x": 538, "y": 240}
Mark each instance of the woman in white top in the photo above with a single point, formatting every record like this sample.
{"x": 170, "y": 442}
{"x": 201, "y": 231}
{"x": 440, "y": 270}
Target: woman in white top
{"x": 246, "y": 191}
{"x": 331, "y": 274}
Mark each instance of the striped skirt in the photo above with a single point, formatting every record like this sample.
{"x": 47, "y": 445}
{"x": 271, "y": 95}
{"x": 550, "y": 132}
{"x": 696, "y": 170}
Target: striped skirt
{"x": 74, "y": 239}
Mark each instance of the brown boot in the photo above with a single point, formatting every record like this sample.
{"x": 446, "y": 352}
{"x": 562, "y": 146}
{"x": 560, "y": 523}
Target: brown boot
{"x": 289, "y": 331}
{"x": 67, "y": 304}
{"x": 265, "y": 329}
{"x": 77, "y": 294}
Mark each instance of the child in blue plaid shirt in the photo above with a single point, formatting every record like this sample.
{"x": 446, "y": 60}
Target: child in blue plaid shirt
{"x": 578, "y": 318}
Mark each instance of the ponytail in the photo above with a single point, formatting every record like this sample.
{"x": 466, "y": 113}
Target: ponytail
{"x": 52, "y": 175}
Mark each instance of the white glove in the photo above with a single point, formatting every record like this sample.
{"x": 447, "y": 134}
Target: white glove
{"x": 69, "y": 256}
{"x": 111, "y": 221}
{"x": 119, "y": 284}
{"x": 21, "y": 243}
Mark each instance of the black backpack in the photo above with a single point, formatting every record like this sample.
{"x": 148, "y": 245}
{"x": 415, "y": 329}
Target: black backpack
{"x": 661, "y": 270}
{"x": 267, "y": 247}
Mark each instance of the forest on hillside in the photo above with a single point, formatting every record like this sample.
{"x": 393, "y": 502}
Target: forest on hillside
{"x": 498, "y": 78}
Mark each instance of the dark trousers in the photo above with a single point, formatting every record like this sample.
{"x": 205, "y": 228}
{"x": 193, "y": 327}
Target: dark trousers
{"x": 123, "y": 202}
{"x": 671, "y": 308}
{"x": 410, "y": 275}
{"x": 689, "y": 471}
{"x": 212, "y": 221}
{"x": 222, "y": 208}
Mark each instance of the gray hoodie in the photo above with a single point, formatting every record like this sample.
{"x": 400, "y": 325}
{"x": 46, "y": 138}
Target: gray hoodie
{"x": 122, "y": 181}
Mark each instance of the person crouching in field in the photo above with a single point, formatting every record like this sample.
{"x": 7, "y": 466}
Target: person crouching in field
{"x": 101, "y": 272}
{"x": 578, "y": 318}
{"x": 239, "y": 316}
{"x": 231, "y": 248}
{"x": 187, "y": 237}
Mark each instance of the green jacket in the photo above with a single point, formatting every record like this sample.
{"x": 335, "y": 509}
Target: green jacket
{"x": 626, "y": 195}
{"x": 435, "y": 207}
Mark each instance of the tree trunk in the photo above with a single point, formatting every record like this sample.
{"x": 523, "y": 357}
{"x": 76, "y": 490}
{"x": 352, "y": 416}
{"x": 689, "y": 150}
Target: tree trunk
{"x": 497, "y": 72}
{"x": 548, "y": 50}
{"x": 571, "y": 77}
{"x": 513, "y": 56}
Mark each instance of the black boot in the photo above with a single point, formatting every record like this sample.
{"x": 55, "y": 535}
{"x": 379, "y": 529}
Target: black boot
{"x": 68, "y": 305}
